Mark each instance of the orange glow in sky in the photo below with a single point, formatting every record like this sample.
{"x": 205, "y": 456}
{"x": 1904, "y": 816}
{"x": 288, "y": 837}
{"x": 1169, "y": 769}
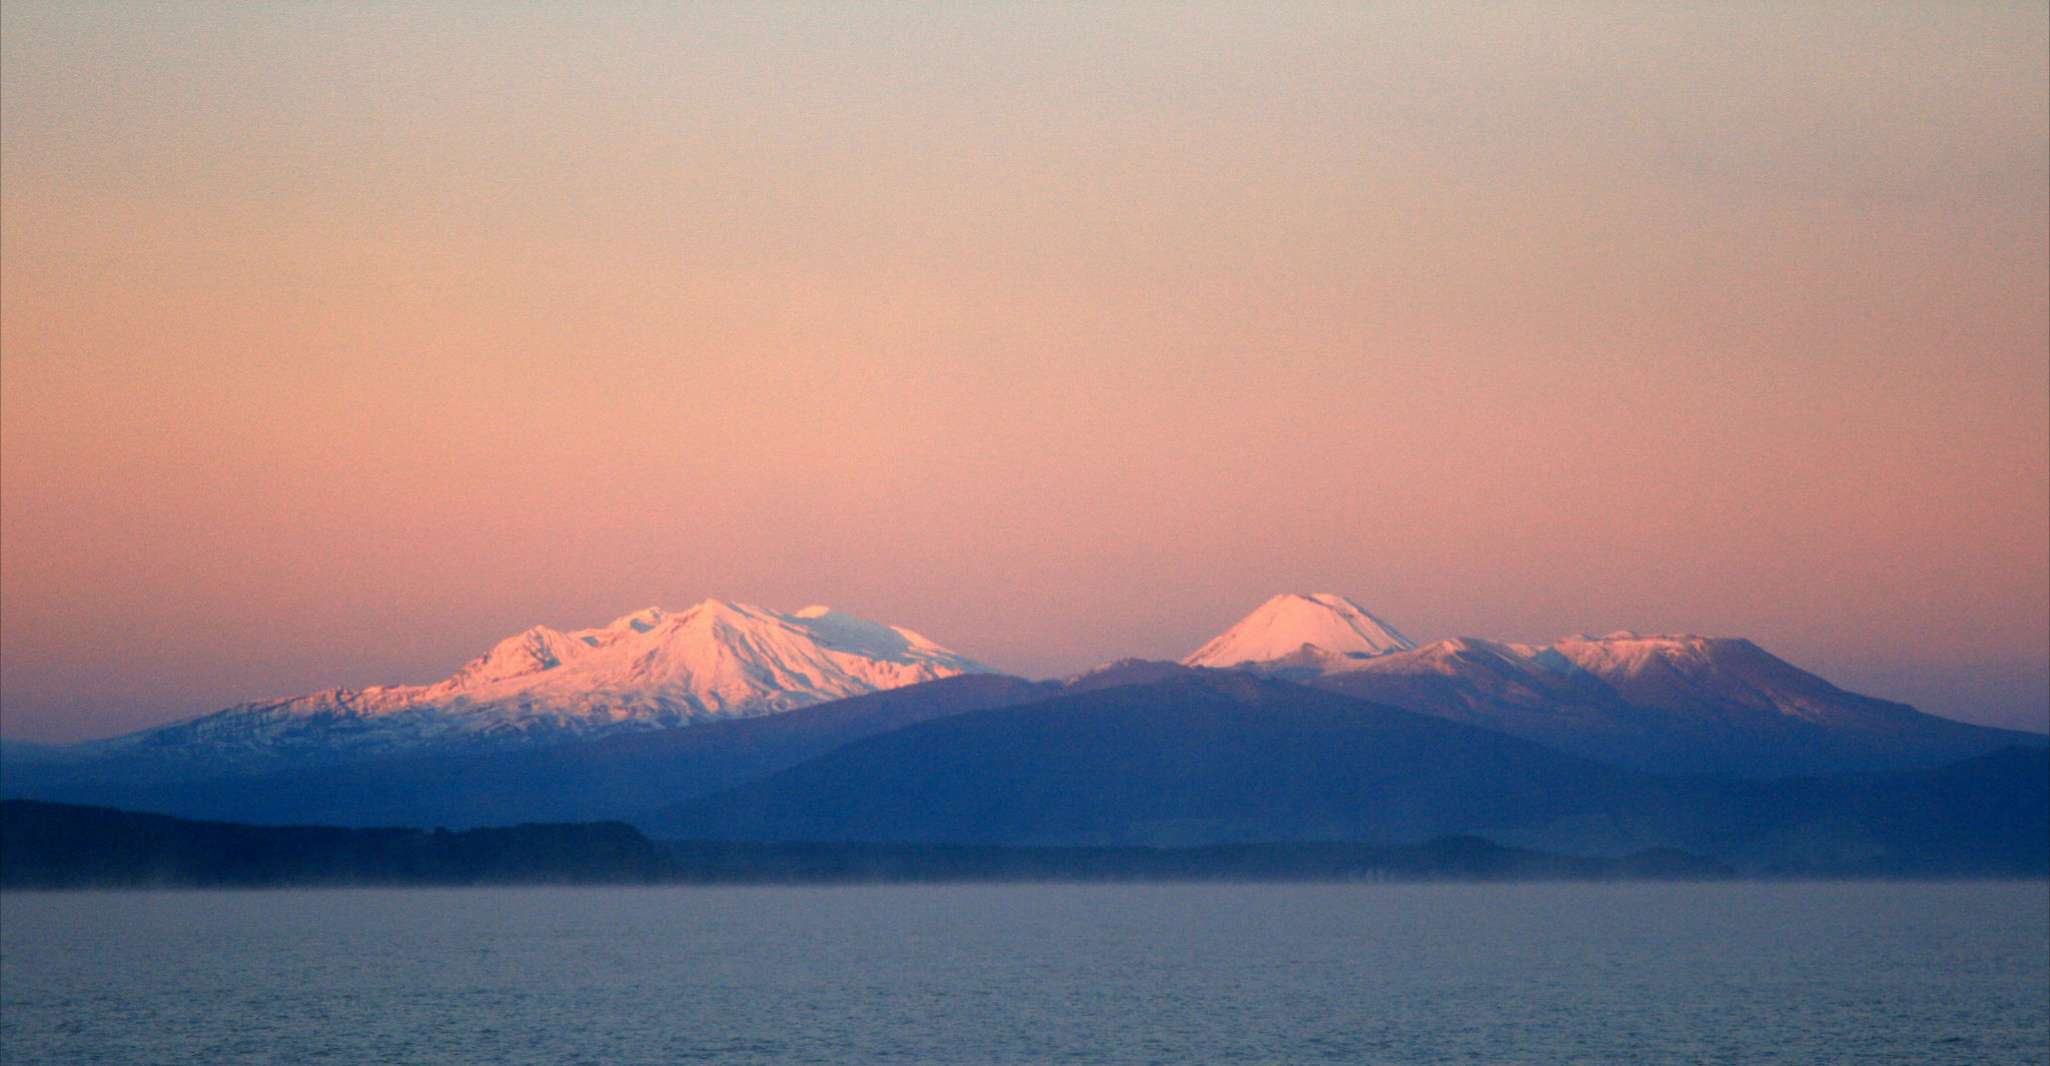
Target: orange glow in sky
{"x": 337, "y": 342}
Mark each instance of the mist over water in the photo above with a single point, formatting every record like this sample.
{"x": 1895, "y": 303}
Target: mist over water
{"x": 1865, "y": 972}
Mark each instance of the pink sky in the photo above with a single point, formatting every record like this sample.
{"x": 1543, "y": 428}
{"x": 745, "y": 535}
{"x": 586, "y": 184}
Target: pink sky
{"x": 338, "y": 342}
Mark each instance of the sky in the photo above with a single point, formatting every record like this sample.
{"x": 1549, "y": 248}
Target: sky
{"x": 339, "y": 340}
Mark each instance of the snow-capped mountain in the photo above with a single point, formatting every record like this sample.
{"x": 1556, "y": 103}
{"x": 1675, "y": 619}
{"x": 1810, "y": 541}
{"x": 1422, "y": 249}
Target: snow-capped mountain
{"x": 1660, "y": 703}
{"x": 1728, "y": 680}
{"x": 1323, "y": 631}
{"x": 1676, "y": 702}
{"x": 647, "y": 670}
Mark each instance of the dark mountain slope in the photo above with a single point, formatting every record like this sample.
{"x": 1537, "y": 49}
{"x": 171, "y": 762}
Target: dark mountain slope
{"x": 1228, "y": 757}
{"x": 605, "y": 777}
{"x": 1212, "y": 758}
{"x": 1986, "y": 815}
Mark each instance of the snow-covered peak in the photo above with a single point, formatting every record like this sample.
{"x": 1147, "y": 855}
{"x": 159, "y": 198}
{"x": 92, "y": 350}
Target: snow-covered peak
{"x": 735, "y": 654}
{"x": 649, "y": 669}
{"x": 530, "y": 652}
{"x": 1296, "y": 627}
{"x": 710, "y": 614}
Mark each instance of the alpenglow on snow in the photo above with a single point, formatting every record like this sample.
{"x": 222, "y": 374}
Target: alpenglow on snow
{"x": 647, "y": 670}
{"x": 1662, "y": 702}
{"x": 1322, "y": 626}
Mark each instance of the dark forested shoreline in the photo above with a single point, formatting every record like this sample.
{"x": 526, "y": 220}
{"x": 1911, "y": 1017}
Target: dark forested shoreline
{"x": 53, "y": 845}
{"x": 63, "y": 846}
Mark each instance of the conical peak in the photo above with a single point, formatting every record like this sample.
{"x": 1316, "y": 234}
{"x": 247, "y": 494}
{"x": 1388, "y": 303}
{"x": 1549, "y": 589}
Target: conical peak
{"x": 1295, "y": 624}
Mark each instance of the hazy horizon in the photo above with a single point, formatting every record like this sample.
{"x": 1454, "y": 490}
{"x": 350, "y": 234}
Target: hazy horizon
{"x": 337, "y": 343}
{"x": 11, "y": 734}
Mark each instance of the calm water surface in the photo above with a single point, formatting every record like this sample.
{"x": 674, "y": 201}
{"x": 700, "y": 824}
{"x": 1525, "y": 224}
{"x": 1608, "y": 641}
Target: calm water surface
{"x": 1023, "y": 974}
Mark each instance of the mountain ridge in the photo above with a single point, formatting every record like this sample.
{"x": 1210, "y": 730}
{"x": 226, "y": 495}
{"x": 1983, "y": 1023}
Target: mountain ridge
{"x": 648, "y": 669}
{"x": 588, "y": 723}
{"x": 1661, "y": 702}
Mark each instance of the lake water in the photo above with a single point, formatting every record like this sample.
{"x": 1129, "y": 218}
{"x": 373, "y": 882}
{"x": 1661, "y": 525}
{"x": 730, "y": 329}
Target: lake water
{"x": 1748, "y": 973}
